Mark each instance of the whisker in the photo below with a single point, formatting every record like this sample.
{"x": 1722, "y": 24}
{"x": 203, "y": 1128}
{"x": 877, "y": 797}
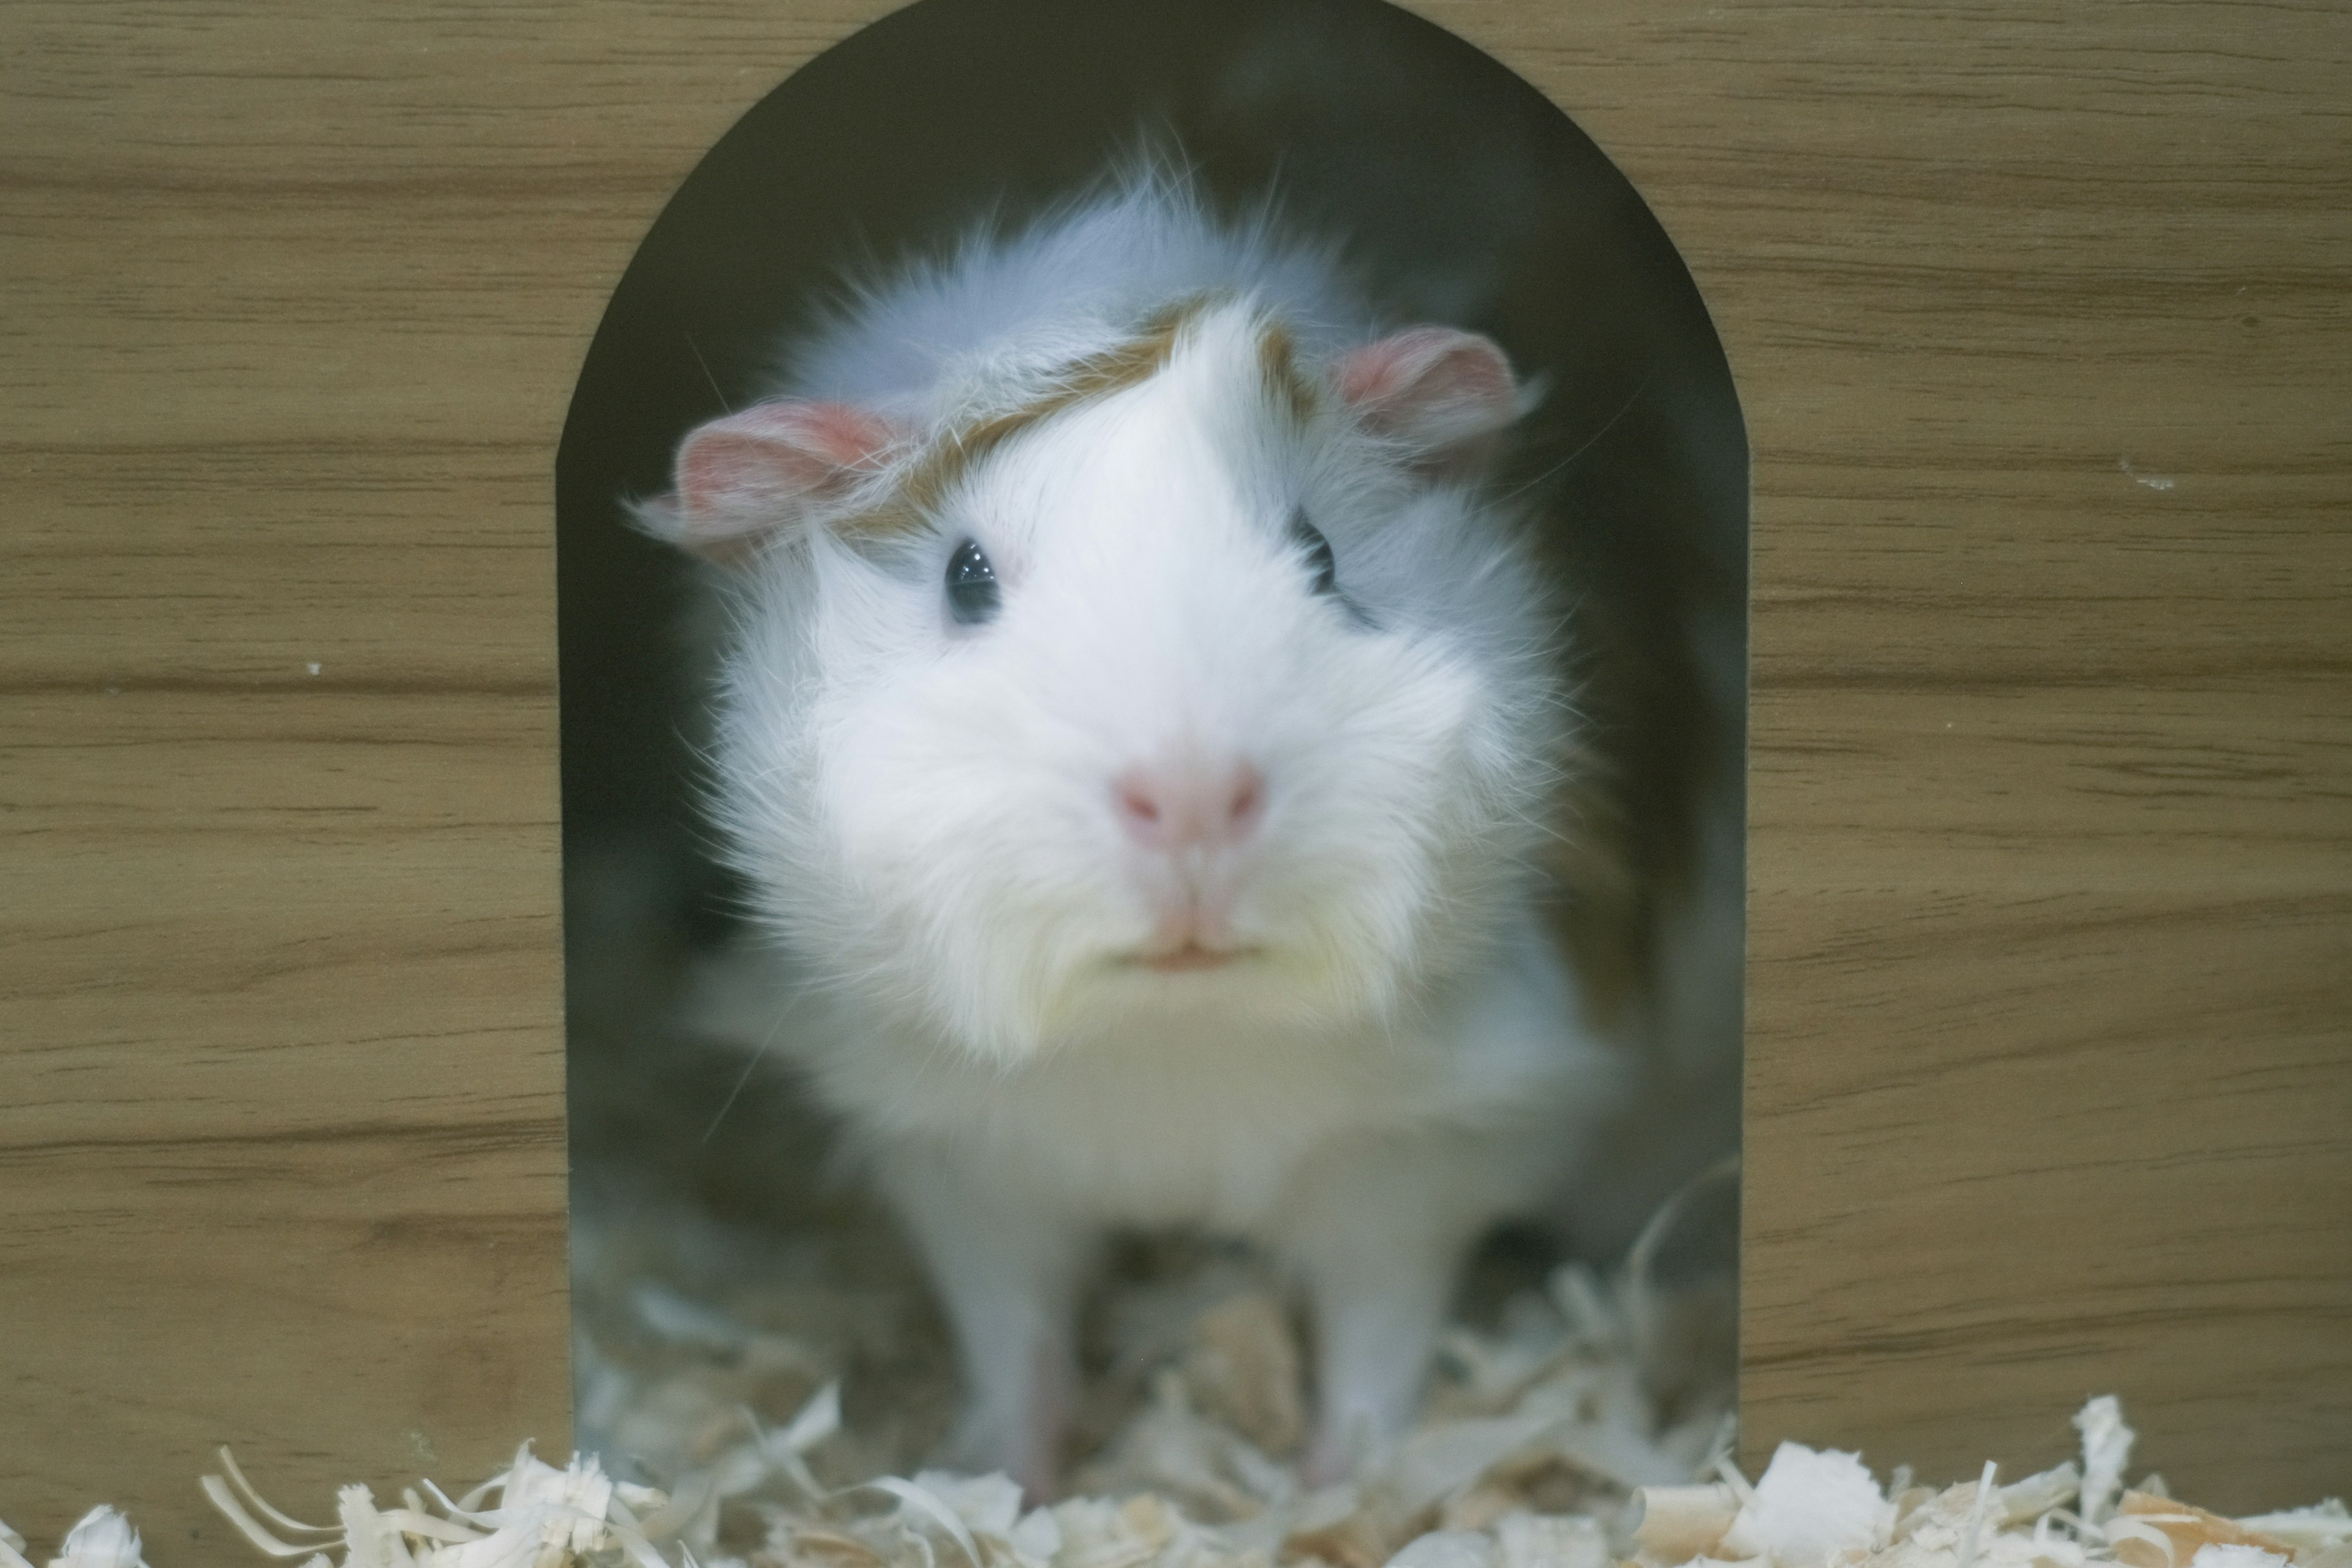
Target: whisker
{"x": 697, "y": 351}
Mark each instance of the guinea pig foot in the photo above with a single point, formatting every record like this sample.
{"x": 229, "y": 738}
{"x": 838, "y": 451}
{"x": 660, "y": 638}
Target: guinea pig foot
{"x": 1337, "y": 1451}
{"x": 1030, "y": 1453}
{"x": 1020, "y": 1438}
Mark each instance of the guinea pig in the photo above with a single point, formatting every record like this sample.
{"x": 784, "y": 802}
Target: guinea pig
{"x": 1143, "y": 733}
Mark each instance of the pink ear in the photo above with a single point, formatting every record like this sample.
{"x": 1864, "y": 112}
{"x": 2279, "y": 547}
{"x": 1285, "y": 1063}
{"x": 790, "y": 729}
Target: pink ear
{"x": 751, "y": 473}
{"x": 1430, "y": 387}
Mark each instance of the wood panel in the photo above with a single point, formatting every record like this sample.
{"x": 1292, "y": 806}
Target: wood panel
{"x": 2041, "y": 322}
{"x": 2039, "y": 315}
{"x": 294, "y": 300}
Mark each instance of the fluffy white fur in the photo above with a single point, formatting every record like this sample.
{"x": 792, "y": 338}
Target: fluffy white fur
{"x": 925, "y": 808}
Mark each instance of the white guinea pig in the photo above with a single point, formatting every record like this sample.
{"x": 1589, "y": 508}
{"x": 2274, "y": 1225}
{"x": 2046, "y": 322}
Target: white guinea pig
{"x": 1141, "y": 732}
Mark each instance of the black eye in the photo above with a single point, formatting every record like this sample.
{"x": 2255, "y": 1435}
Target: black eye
{"x": 972, "y": 593}
{"x": 1309, "y": 539}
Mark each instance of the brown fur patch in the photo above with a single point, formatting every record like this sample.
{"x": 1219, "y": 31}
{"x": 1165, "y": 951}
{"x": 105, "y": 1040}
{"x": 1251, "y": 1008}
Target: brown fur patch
{"x": 1598, "y": 910}
{"x": 1277, "y": 356}
{"x": 1115, "y": 369}
{"x": 1628, "y": 819}
{"x": 888, "y": 518}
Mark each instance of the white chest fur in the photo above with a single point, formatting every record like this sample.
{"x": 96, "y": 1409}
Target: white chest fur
{"x": 1171, "y": 1124}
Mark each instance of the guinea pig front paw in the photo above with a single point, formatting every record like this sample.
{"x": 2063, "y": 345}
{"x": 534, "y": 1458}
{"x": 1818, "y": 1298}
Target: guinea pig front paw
{"x": 1030, "y": 1453}
{"x": 1021, "y": 1438}
{"x": 1340, "y": 1446}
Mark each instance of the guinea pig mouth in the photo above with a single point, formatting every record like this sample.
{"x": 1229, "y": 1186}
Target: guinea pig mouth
{"x": 1189, "y": 958}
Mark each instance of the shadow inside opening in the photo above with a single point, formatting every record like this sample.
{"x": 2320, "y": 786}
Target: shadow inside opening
{"x": 725, "y": 1269}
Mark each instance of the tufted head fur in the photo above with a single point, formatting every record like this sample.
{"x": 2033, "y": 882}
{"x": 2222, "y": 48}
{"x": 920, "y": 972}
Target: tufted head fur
{"x": 944, "y": 817}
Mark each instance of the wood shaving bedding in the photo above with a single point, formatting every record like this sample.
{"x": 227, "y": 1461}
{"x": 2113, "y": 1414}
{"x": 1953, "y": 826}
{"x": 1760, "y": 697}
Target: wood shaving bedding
{"x": 1809, "y": 1509}
{"x": 1545, "y": 1445}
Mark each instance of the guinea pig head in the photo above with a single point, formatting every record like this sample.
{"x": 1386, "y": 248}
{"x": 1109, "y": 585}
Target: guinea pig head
{"x": 1199, "y": 689}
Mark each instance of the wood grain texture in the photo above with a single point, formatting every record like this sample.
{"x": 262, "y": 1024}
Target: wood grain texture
{"x": 2041, "y": 322}
{"x": 294, "y": 299}
{"x": 2039, "y": 318}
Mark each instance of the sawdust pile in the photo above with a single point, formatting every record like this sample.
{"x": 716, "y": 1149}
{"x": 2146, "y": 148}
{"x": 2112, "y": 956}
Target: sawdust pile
{"x": 1548, "y": 1409}
{"x": 1550, "y": 1442}
{"x": 1809, "y": 1509}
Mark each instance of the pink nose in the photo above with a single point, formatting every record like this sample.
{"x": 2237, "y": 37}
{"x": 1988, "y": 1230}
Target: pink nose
{"x": 1170, "y": 806}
